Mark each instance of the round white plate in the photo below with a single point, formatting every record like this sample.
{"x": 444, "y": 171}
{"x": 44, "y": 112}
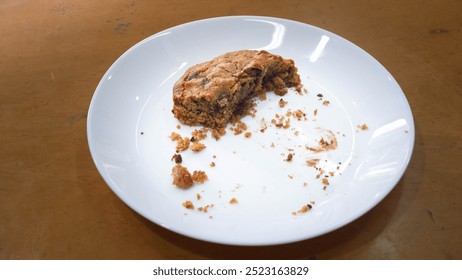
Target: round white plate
{"x": 130, "y": 120}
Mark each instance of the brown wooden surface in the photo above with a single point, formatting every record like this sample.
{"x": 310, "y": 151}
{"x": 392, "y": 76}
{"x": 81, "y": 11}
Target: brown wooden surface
{"x": 55, "y": 205}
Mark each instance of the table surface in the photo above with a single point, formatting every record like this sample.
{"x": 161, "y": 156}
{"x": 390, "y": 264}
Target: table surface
{"x": 55, "y": 205}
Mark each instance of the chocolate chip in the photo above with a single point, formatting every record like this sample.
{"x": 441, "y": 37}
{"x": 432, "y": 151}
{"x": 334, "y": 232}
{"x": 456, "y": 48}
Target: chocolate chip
{"x": 178, "y": 159}
{"x": 192, "y": 76}
{"x": 205, "y": 81}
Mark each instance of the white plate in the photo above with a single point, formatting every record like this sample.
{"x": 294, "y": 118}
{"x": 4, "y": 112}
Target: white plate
{"x": 130, "y": 119}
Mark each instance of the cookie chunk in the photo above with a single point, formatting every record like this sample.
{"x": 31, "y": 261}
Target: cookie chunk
{"x": 222, "y": 89}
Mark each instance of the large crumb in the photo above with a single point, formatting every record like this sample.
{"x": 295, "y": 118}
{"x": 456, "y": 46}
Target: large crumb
{"x": 182, "y": 144}
{"x": 199, "y": 176}
{"x": 233, "y": 201}
{"x": 181, "y": 177}
{"x": 197, "y": 146}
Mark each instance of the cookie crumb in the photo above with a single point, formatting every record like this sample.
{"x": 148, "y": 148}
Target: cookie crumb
{"x": 282, "y": 103}
{"x": 212, "y": 164}
{"x": 305, "y": 184}
{"x": 188, "y": 204}
{"x": 181, "y": 177}
{"x": 198, "y": 196}
{"x": 175, "y": 136}
{"x": 197, "y": 146}
{"x": 233, "y": 201}
{"x": 325, "y": 181}
{"x": 299, "y": 115}
{"x": 312, "y": 162}
{"x": 363, "y": 126}
{"x": 305, "y": 208}
{"x": 239, "y": 127}
{"x": 289, "y": 157}
{"x": 178, "y": 126}
{"x": 199, "y": 176}
{"x": 326, "y": 102}
{"x": 198, "y": 135}
{"x": 263, "y": 125}
{"x": 182, "y": 144}
{"x": 248, "y": 134}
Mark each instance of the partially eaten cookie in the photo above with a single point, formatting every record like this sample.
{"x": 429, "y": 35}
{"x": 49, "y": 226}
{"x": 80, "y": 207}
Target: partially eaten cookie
{"x": 218, "y": 91}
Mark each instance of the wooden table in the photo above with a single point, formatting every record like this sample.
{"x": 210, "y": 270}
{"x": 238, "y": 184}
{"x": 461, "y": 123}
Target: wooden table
{"x": 55, "y": 205}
